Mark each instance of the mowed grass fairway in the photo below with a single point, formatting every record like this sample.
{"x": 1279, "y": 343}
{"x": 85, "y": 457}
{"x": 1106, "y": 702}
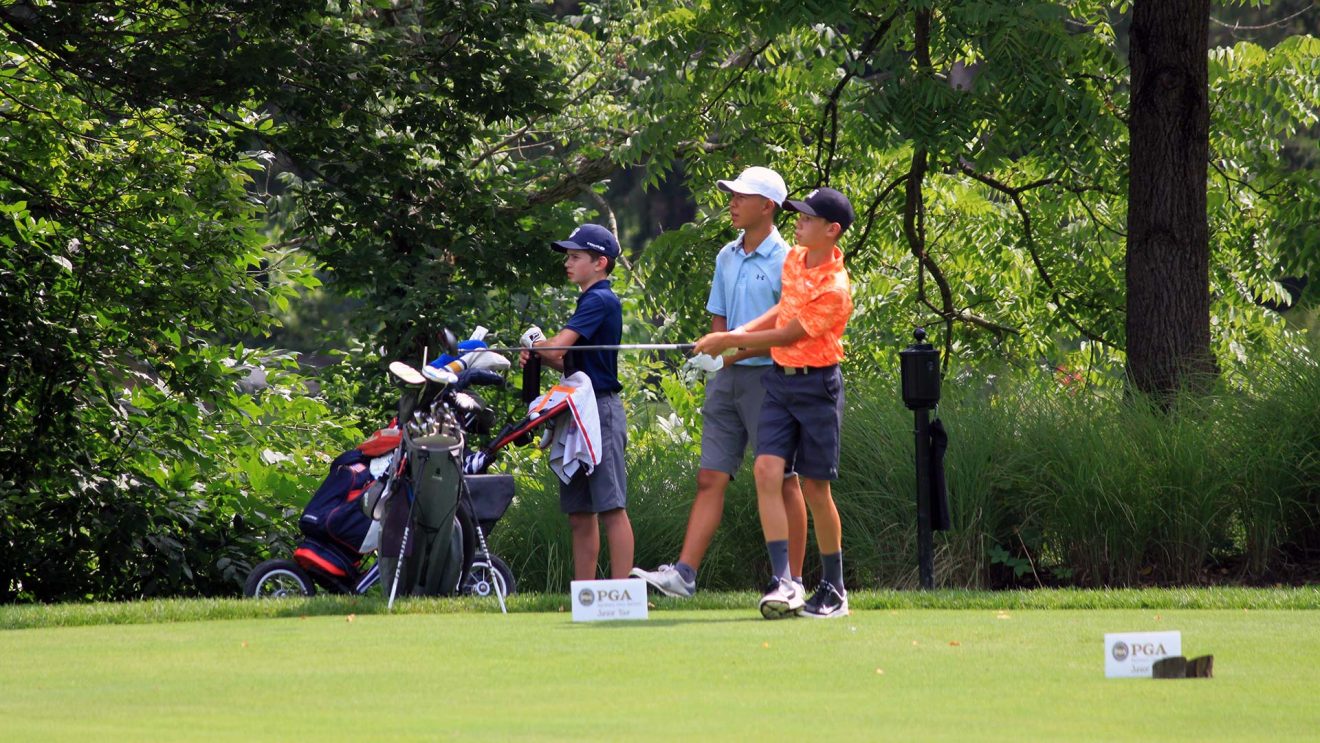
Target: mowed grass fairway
{"x": 882, "y": 674}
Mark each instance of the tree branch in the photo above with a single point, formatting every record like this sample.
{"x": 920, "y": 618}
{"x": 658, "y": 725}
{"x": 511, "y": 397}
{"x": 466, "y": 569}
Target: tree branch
{"x": 584, "y": 172}
{"x": 875, "y": 204}
{"x": 742, "y": 71}
{"x": 1029, "y": 239}
{"x": 831, "y": 112}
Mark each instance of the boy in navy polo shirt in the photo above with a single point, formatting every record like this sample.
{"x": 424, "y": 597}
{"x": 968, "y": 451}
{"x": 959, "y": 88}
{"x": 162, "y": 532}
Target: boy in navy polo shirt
{"x": 601, "y": 497}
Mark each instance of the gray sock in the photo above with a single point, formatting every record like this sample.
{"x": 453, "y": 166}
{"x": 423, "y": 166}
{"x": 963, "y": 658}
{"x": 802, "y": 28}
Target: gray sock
{"x": 832, "y": 570}
{"x": 685, "y": 571}
{"x": 778, "y": 550}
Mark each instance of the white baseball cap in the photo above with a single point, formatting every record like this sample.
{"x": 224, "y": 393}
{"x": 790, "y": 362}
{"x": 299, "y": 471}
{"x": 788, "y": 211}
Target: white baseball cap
{"x": 758, "y": 181}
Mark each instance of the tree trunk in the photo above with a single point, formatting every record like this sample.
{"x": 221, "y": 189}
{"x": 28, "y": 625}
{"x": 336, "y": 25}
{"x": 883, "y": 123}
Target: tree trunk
{"x": 1168, "y": 249}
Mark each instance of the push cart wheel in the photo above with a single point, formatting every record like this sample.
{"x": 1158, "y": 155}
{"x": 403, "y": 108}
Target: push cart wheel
{"x": 478, "y": 580}
{"x": 276, "y": 579}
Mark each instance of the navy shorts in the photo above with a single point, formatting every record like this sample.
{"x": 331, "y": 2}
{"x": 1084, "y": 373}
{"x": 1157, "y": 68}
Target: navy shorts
{"x": 801, "y": 419}
{"x": 606, "y": 488}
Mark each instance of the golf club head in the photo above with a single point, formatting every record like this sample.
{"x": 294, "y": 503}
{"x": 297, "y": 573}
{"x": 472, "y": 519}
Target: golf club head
{"x": 448, "y": 341}
{"x": 371, "y": 499}
{"x": 406, "y": 373}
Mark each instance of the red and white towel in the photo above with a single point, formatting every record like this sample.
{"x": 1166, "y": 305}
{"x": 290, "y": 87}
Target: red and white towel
{"x": 576, "y": 440}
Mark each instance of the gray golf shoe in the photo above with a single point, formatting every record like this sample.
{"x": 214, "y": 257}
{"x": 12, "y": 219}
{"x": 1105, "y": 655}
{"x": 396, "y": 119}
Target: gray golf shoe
{"x": 782, "y": 598}
{"x": 667, "y": 580}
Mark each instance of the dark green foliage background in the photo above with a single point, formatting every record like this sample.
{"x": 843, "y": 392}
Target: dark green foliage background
{"x": 179, "y": 180}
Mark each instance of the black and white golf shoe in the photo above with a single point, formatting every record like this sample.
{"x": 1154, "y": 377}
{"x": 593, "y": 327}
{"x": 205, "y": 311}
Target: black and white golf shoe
{"x": 782, "y": 599}
{"x": 826, "y": 603}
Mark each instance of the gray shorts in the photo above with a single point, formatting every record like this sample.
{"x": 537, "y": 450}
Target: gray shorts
{"x": 730, "y": 416}
{"x": 606, "y": 488}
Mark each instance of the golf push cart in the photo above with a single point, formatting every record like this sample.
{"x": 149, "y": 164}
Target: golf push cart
{"x": 414, "y": 503}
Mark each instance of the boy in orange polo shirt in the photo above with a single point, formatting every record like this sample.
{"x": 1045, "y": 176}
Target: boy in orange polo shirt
{"x": 802, "y": 415}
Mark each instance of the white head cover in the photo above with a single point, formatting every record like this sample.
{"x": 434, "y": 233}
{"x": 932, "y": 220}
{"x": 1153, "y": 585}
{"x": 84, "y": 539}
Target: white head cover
{"x": 758, "y": 181}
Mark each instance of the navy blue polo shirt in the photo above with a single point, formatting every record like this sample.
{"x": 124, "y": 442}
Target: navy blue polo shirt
{"x": 599, "y": 320}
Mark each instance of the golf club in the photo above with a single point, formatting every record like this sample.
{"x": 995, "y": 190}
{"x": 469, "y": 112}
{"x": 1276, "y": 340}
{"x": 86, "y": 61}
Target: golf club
{"x": 495, "y": 579}
{"x": 403, "y": 550}
{"x": 616, "y": 347}
{"x": 406, "y": 373}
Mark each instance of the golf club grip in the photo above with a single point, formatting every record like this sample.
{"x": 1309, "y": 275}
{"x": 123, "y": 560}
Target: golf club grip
{"x": 531, "y": 378}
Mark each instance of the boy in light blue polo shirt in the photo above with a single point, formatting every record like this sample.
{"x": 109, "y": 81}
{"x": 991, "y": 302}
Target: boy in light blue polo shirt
{"x": 746, "y": 285}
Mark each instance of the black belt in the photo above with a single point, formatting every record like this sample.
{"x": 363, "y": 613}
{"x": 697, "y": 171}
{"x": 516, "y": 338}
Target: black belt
{"x": 794, "y": 370}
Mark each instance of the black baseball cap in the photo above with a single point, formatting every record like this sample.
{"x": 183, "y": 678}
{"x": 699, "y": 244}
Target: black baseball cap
{"x": 825, "y": 203}
{"x": 591, "y": 237}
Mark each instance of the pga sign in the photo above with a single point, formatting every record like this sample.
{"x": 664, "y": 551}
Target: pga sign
{"x": 1131, "y": 654}
{"x": 608, "y": 600}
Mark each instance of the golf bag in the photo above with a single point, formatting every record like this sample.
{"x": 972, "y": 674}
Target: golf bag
{"x": 429, "y": 527}
{"x": 336, "y": 532}
{"x": 423, "y": 524}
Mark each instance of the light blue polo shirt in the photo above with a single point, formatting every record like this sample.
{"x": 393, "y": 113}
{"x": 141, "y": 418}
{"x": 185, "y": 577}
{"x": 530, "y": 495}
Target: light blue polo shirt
{"x": 747, "y": 285}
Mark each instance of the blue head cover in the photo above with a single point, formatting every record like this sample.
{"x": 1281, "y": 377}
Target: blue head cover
{"x": 463, "y": 347}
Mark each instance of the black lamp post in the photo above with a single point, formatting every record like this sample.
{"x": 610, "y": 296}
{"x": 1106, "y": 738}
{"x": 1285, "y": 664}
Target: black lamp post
{"x": 920, "y": 364}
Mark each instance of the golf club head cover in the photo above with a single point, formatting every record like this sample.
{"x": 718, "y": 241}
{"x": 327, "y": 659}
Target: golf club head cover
{"x": 488, "y": 360}
{"x": 440, "y": 374}
{"x": 479, "y": 377}
{"x": 458, "y": 363}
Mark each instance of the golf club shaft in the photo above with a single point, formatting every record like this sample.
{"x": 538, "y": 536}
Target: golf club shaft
{"x": 616, "y": 347}
{"x": 398, "y": 566}
{"x": 403, "y": 550}
{"x": 490, "y": 566}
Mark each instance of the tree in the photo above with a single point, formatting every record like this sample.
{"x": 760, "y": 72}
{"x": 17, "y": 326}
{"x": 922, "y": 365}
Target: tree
{"x": 986, "y": 145}
{"x": 1168, "y": 248}
{"x": 135, "y": 249}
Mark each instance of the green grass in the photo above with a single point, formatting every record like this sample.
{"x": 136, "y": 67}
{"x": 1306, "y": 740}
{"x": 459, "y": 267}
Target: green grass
{"x": 891, "y": 673}
{"x": 195, "y": 610}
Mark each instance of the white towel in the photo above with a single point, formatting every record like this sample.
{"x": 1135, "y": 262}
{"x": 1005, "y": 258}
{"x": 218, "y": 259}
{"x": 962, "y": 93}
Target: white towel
{"x": 576, "y": 442}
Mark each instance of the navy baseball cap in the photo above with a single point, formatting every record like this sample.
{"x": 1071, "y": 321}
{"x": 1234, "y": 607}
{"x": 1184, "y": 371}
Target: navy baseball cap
{"x": 825, "y": 203}
{"x": 591, "y": 237}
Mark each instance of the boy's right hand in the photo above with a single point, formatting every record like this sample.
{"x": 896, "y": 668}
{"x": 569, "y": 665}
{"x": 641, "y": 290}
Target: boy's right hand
{"x": 712, "y": 344}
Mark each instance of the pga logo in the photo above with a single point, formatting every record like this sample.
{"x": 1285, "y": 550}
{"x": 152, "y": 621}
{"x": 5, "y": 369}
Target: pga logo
{"x": 587, "y": 597}
{"x": 1120, "y": 651}
{"x": 1138, "y": 650}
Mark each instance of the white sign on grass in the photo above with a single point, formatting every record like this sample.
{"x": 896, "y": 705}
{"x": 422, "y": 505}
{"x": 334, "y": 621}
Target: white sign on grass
{"x": 1131, "y": 654}
{"x": 607, "y": 600}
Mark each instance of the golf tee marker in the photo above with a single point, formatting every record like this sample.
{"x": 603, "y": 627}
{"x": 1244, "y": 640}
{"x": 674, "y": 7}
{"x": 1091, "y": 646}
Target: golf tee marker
{"x": 1132, "y": 654}
{"x": 608, "y": 600}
